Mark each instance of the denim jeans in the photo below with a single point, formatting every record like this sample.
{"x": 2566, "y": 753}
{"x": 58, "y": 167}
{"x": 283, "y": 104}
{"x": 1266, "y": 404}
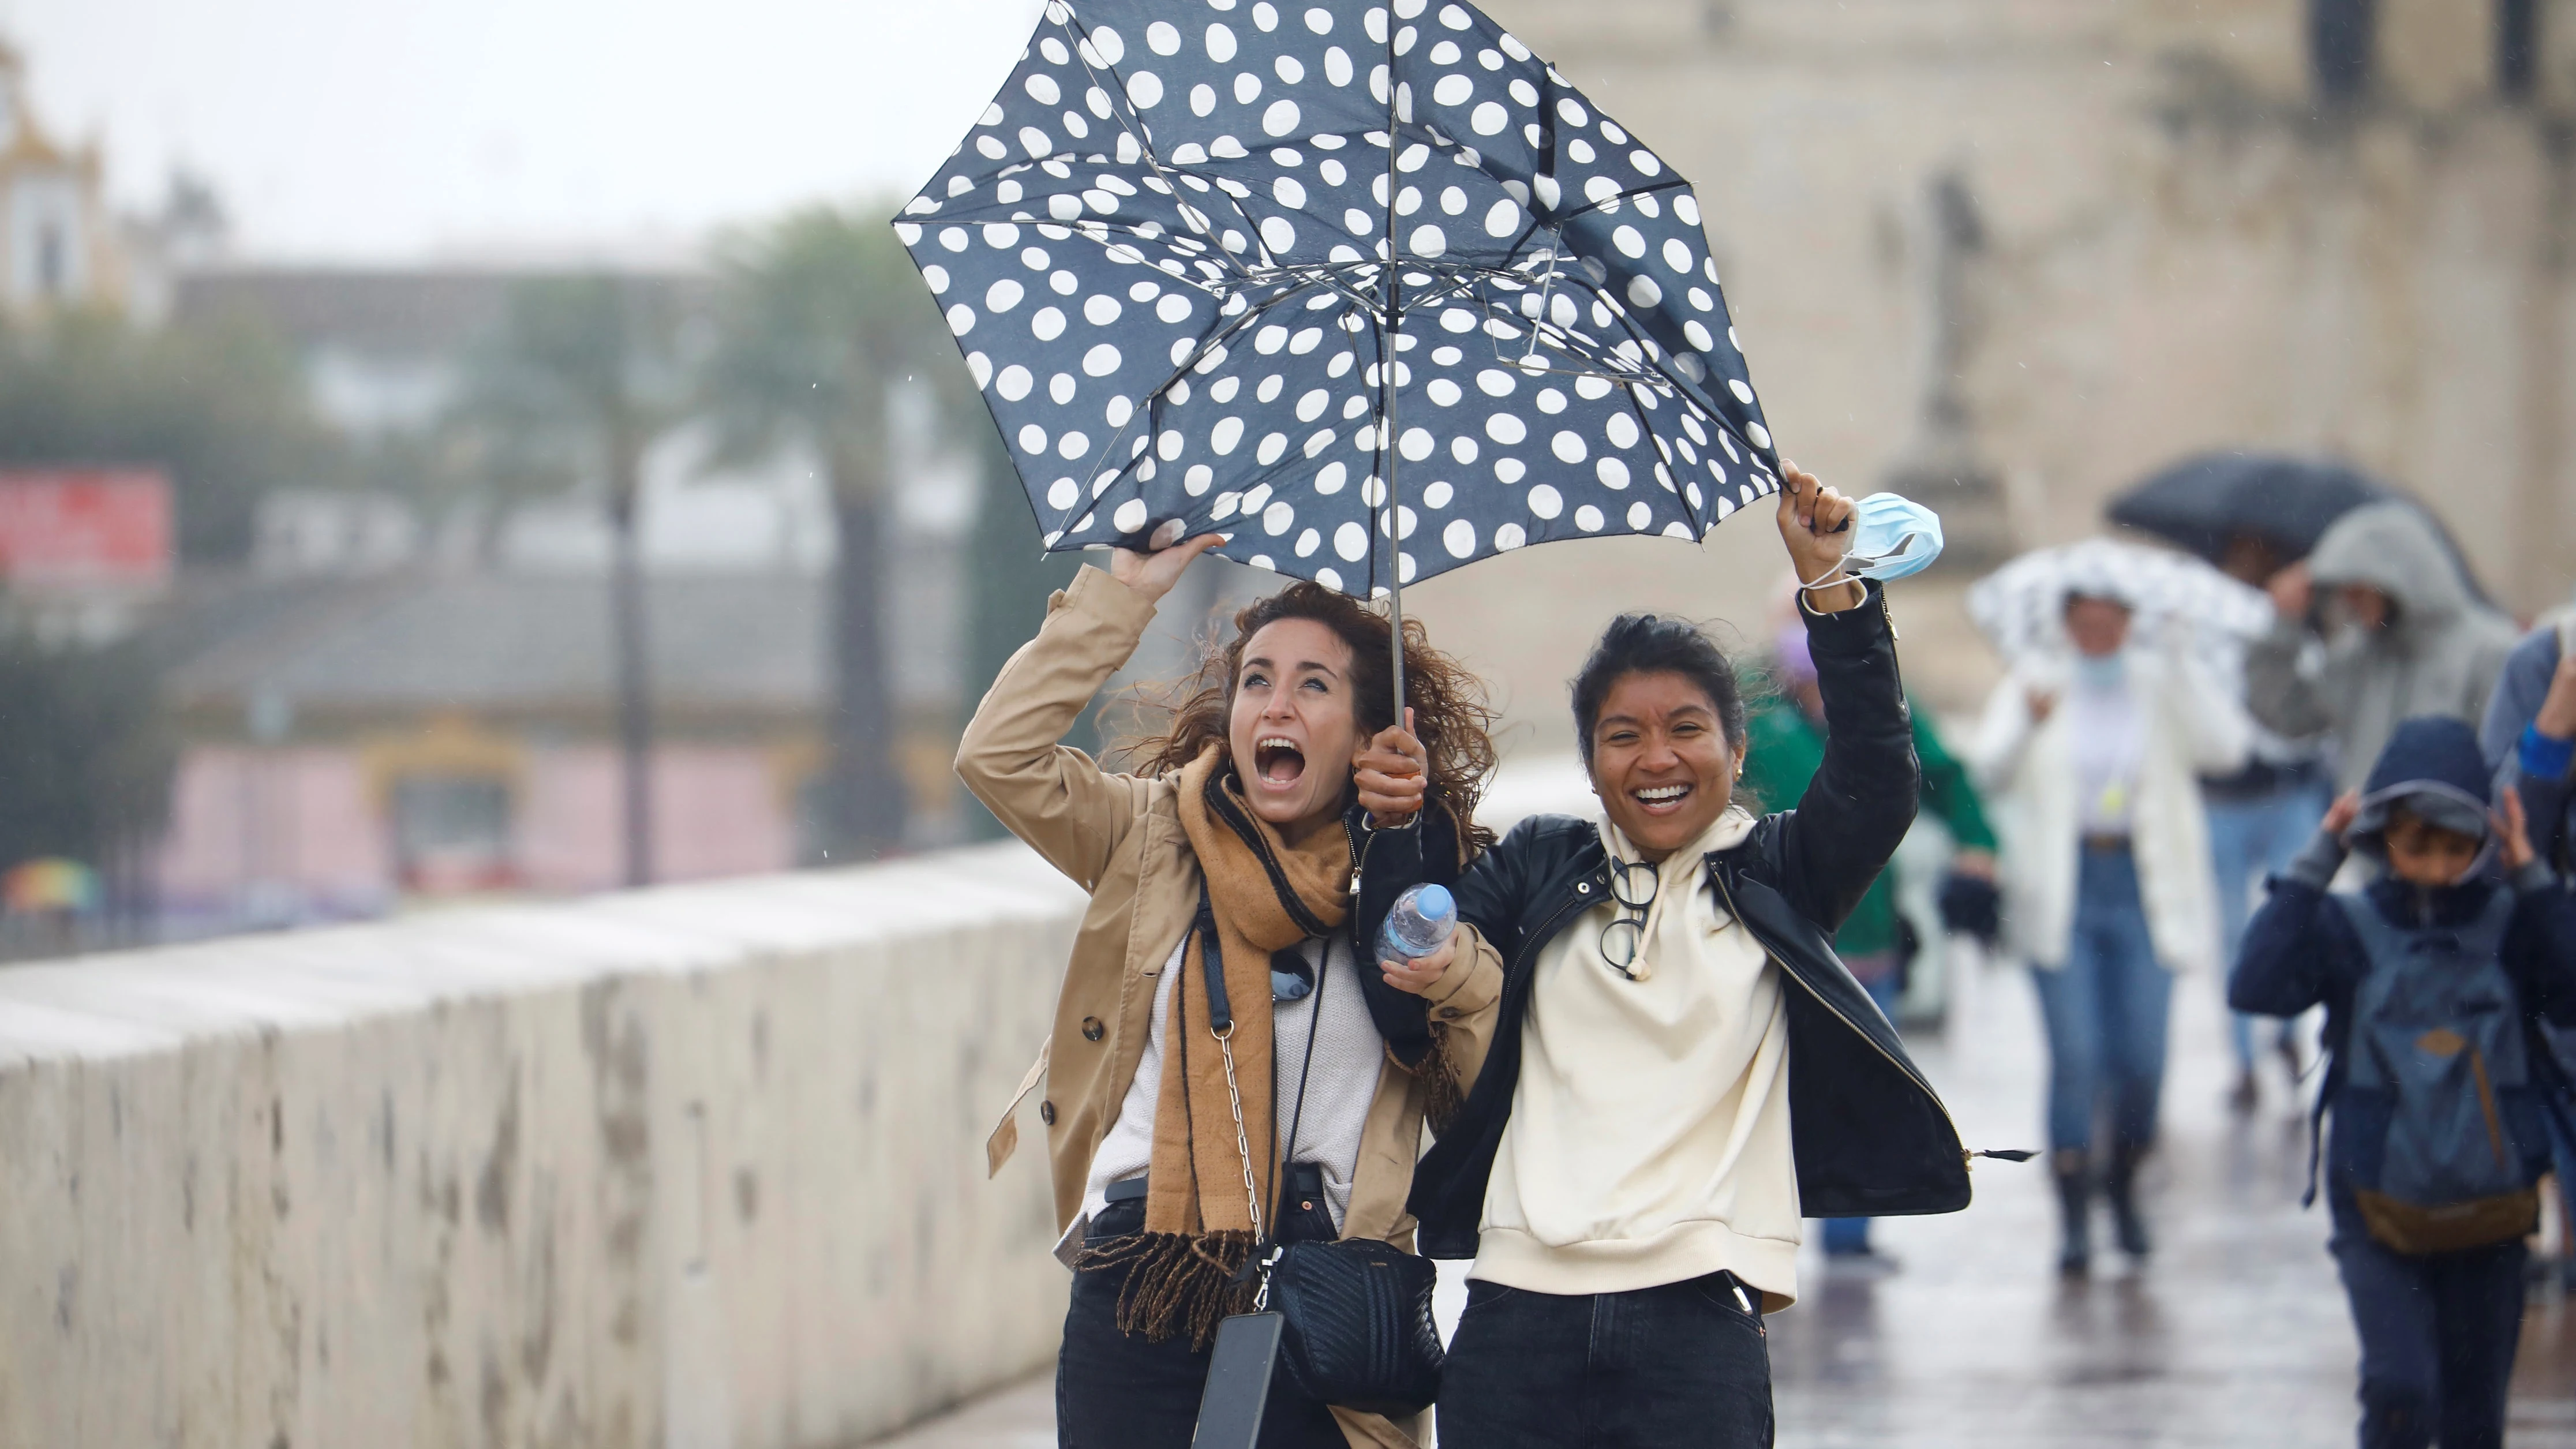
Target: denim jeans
{"x": 1681, "y": 1366}
{"x": 1115, "y": 1390}
{"x": 1851, "y": 1235}
{"x": 2250, "y": 839}
{"x": 2105, "y": 1011}
{"x": 2438, "y": 1334}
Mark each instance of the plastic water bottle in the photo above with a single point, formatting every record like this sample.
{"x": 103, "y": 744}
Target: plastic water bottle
{"x": 1422, "y": 919}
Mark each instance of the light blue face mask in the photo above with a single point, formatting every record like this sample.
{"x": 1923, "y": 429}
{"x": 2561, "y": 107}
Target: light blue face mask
{"x": 1892, "y": 536}
{"x": 2104, "y": 672}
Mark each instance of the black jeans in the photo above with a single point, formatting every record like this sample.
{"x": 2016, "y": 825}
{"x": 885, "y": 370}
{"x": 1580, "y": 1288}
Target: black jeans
{"x": 1658, "y": 1368}
{"x": 1115, "y": 1390}
{"x": 2438, "y": 1334}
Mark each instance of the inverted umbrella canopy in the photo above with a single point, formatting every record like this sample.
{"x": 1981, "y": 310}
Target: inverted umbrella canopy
{"x": 2021, "y": 607}
{"x": 2205, "y": 502}
{"x": 1184, "y": 242}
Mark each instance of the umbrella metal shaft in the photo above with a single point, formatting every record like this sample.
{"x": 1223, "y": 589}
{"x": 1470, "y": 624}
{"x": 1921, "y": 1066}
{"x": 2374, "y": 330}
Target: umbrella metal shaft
{"x": 1386, "y": 383}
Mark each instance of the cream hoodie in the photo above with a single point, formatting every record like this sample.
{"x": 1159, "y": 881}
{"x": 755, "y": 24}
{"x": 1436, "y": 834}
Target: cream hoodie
{"x": 1649, "y": 1136}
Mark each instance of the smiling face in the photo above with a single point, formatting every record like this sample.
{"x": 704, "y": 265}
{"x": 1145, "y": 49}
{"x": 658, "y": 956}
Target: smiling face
{"x": 1293, "y": 727}
{"x": 1661, "y": 761}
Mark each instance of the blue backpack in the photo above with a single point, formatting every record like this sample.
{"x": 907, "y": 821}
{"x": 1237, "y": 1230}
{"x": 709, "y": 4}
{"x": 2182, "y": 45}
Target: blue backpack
{"x": 2439, "y": 1111}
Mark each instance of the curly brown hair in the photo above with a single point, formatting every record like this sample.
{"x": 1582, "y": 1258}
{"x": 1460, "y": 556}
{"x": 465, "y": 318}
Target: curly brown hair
{"x": 1451, "y": 715}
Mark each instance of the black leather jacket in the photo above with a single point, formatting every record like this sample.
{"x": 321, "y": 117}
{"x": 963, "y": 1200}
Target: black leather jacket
{"x": 1386, "y": 862}
{"x": 1871, "y": 1138}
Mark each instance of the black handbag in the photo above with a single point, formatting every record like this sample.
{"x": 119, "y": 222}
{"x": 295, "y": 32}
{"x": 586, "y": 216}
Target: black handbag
{"x": 1356, "y": 1330}
{"x": 1357, "y": 1324}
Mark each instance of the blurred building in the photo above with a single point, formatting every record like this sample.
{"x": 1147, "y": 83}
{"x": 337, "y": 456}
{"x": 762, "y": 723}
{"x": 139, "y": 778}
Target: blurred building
{"x": 2012, "y": 255}
{"x": 408, "y": 696}
{"x": 354, "y": 742}
{"x": 2045, "y": 247}
{"x": 59, "y": 243}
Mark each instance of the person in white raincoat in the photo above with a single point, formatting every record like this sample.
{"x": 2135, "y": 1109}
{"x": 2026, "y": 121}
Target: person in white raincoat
{"x": 2091, "y": 757}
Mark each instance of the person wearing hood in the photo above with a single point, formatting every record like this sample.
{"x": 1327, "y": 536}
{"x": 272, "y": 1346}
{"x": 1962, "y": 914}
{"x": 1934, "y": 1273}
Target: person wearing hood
{"x": 2461, "y": 902}
{"x": 2091, "y": 767}
{"x": 2529, "y": 734}
{"x": 2402, "y": 632}
{"x": 2530, "y": 742}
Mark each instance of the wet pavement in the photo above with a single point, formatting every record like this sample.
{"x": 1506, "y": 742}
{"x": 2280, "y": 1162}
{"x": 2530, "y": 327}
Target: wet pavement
{"x": 2233, "y": 1334}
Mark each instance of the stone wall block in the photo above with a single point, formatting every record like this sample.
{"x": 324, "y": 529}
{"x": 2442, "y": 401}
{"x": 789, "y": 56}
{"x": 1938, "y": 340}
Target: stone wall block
{"x": 699, "y": 1166}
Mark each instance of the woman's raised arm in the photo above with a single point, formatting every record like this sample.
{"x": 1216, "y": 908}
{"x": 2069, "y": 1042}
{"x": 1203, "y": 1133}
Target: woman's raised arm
{"x": 1049, "y": 794}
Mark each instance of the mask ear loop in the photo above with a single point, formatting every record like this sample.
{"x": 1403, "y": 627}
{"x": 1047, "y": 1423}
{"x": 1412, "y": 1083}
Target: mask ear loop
{"x": 1843, "y": 572}
{"x": 1838, "y": 575}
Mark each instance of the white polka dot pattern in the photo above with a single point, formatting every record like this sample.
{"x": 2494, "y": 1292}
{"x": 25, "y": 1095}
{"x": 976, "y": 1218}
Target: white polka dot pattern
{"x": 1163, "y": 250}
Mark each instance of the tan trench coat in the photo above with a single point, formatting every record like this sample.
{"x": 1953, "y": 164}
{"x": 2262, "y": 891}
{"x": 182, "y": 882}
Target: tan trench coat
{"x": 1119, "y": 837}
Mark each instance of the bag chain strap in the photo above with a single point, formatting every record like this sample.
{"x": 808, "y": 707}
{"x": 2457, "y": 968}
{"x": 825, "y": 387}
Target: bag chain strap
{"x": 1242, "y": 1144}
{"x": 1211, "y": 961}
{"x": 1221, "y": 1026}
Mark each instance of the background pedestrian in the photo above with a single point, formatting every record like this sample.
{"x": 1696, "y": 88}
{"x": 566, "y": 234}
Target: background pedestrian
{"x": 2091, "y": 759}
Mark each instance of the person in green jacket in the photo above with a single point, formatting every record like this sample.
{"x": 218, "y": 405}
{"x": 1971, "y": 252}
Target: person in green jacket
{"x": 1784, "y": 745}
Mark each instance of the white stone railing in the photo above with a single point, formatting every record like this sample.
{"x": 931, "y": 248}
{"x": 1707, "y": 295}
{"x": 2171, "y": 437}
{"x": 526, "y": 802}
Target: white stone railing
{"x": 699, "y": 1166}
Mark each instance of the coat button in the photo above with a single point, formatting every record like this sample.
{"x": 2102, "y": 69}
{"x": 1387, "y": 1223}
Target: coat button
{"x": 1046, "y": 1113}
{"x": 1092, "y": 1030}
{"x": 1583, "y": 888}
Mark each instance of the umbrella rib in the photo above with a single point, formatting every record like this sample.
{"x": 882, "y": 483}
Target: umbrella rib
{"x": 1134, "y": 125}
{"x": 1155, "y": 394}
{"x": 1206, "y": 344}
{"x": 1608, "y": 201}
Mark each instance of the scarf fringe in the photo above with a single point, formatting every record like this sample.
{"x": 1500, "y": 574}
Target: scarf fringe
{"x": 1176, "y": 1281}
{"x": 1441, "y": 1099}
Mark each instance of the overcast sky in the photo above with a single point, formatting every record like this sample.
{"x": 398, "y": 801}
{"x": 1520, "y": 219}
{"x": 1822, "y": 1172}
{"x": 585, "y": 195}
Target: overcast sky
{"x": 404, "y": 129}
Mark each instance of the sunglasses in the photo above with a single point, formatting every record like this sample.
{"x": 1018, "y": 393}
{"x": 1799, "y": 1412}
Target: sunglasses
{"x": 1292, "y": 977}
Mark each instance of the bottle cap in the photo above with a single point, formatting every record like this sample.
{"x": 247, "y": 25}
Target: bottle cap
{"x": 1434, "y": 901}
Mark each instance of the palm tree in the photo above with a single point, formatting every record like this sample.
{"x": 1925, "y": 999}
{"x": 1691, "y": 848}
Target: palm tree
{"x": 820, "y": 315}
{"x": 580, "y": 377}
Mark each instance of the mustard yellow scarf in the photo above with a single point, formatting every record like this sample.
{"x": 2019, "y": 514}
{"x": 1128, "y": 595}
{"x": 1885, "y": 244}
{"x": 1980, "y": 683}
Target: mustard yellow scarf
{"x": 1266, "y": 893}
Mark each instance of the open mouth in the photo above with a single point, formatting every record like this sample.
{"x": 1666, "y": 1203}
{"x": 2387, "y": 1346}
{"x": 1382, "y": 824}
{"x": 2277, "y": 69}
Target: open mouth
{"x": 1277, "y": 761}
{"x": 1660, "y": 799}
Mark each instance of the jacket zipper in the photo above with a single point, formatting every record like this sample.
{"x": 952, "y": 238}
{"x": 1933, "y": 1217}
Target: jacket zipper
{"x": 1719, "y": 876}
{"x": 1359, "y": 854}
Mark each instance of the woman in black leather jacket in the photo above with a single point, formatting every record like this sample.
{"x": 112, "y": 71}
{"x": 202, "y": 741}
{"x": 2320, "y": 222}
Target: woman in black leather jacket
{"x": 1690, "y": 1067}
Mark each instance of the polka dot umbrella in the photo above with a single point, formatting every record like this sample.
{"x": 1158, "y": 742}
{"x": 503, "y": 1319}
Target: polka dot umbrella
{"x": 1181, "y": 247}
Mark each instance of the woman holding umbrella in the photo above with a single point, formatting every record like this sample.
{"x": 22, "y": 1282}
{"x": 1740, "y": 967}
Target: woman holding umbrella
{"x": 1282, "y": 809}
{"x": 1627, "y": 1172}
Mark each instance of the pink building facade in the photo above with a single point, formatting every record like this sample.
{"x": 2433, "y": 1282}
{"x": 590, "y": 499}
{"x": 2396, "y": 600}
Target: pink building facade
{"x": 357, "y": 749}
{"x": 308, "y": 832}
